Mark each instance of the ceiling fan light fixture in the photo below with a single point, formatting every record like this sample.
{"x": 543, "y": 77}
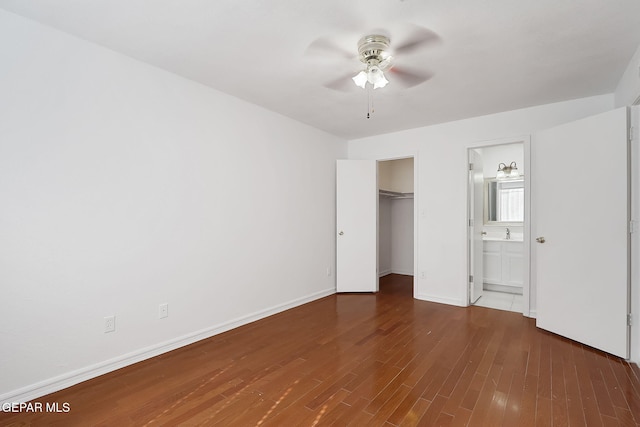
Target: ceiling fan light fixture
{"x": 373, "y": 52}
{"x": 380, "y": 83}
{"x": 375, "y": 56}
{"x": 373, "y": 74}
{"x": 360, "y": 79}
{"x": 376, "y": 77}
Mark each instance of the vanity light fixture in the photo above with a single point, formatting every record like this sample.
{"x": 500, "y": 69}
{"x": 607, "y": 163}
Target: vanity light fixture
{"x": 505, "y": 171}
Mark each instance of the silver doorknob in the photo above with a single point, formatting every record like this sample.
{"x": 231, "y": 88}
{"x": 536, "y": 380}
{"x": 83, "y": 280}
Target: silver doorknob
{"x": 341, "y": 233}
{"x": 540, "y": 240}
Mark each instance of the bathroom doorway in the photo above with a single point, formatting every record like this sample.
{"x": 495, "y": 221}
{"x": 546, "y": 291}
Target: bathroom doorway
{"x": 497, "y": 235}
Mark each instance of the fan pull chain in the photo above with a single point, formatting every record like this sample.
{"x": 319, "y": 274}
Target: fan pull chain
{"x": 370, "y": 109}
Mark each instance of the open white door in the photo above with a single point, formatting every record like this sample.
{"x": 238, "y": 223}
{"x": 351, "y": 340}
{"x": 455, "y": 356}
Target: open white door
{"x": 357, "y": 226}
{"x": 476, "y": 211}
{"x": 581, "y": 213}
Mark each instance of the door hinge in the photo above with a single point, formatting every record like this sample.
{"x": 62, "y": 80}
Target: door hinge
{"x": 470, "y": 166}
{"x": 632, "y": 226}
{"x": 631, "y": 134}
{"x": 470, "y": 222}
{"x": 629, "y": 319}
{"x": 470, "y": 278}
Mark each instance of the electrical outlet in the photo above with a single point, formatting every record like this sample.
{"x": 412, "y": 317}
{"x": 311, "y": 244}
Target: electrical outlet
{"x": 423, "y": 274}
{"x": 109, "y": 324}
{"x": 328, "y": 271}
{"x": 163, "y": 311}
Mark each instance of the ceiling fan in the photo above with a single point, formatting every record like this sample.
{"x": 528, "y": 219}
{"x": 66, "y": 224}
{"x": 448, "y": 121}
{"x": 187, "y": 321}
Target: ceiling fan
{"x": 378, "y": 57}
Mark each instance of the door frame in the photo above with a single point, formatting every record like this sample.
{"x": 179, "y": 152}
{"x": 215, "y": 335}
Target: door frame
{"x": 634, "y": 250}
{"x": 528, "y": 292}
{"x": 416, "y": 205}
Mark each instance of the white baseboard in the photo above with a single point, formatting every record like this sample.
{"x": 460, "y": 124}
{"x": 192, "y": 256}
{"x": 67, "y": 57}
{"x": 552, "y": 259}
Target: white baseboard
{"x": 402, "y": 272}
{"x": 516, "y": 290}
{"x": 440, "y": 300}
{"x": 69, "y": 379}
{"x": 384, "y": 272}
{"x": 392, "y": 271}
{"x": 533, "y": 314}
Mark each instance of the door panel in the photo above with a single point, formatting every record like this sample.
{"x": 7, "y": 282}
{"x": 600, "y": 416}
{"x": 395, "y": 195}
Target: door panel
{"x": 580, "y": 204}
{"x": 476, "y": 212}
{"x": 357, "y": 225}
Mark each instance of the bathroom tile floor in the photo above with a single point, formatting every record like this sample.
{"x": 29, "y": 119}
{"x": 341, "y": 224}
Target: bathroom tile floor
{"x": 501, "y": 301}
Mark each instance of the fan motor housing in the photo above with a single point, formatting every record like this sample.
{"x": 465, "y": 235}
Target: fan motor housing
{"x": 372, "y": 48}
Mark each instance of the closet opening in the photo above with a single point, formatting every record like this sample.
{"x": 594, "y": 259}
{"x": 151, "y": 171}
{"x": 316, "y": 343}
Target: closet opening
{"x": 396, "y": 222}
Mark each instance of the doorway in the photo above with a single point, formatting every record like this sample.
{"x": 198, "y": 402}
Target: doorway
{"x": 357, "y": 222}
{"x": 396, "y": 218}
{"x": 498, "y": 254}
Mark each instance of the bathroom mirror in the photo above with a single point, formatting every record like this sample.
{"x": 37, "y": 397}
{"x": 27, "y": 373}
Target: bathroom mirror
{"x": 504, "y": 201}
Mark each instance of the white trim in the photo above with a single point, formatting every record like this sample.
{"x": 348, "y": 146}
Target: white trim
{"x": 416, "y": 222}
{"x": 403, "y": 272}
{"x": 500, "y": 141}
{"x": 69, "y": 379}
{"x": 392, "y": 271}
{"x": 385, "y": 272}
{"x": 441, "y": 300}
{"x": 527, "y": 283}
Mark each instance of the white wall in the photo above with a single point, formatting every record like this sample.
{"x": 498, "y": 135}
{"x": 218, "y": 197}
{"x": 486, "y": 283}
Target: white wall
{"x": 396, "y": 175}
{"x": 402, "y": 236}
{"x": 122, "y": 187}
{"x": 441, "y": 152}
{"x": 507, "y": 153}
{"x": 395, "y": 236}
{"x": 628, "y": 89}
{"x": 384, "y": 236}
{"x": 384, "y": 175}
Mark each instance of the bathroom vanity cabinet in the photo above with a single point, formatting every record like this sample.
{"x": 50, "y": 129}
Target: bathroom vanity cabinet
{"x": 503, "y": 265}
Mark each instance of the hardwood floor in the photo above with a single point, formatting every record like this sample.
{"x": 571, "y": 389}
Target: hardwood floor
{"x": 373, "y": 360}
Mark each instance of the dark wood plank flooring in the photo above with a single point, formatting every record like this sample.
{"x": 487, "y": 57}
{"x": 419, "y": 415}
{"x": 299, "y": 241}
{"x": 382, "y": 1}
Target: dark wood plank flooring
{"x": 373, "y": 360}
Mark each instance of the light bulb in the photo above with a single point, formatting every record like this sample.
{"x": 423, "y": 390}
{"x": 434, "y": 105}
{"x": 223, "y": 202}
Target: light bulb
{"x": 514, "y": 170}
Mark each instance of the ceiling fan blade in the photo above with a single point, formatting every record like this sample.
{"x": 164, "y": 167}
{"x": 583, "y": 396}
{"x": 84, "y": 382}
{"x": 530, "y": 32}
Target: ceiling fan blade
{"x": 323, "y": 46}
{"x": 342, "y": 84}
{"x": 419, "y": 38}
{"x": 386, "y": 63}
{"x": 407, "y": 78}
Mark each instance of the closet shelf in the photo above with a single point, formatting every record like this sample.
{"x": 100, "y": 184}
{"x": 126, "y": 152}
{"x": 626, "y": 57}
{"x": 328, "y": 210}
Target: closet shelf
{"x": 395, "y": 194}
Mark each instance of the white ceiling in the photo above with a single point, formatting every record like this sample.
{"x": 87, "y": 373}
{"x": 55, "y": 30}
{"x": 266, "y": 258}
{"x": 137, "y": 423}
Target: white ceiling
{"x": 494, "y": 55}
